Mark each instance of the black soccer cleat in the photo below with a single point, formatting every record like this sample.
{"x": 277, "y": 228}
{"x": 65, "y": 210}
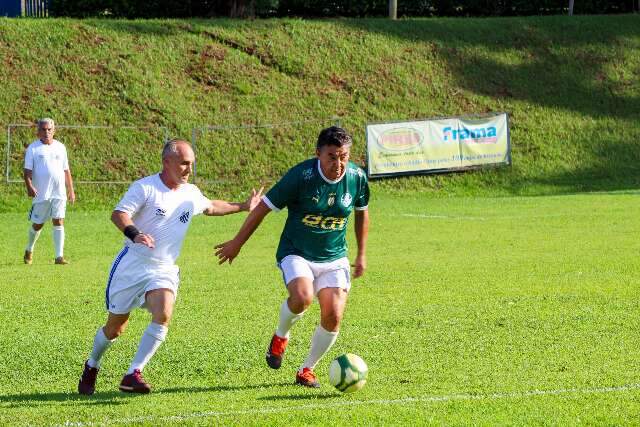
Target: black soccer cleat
{"x": 87, "y": 383}
{"x": 134, "y": 383}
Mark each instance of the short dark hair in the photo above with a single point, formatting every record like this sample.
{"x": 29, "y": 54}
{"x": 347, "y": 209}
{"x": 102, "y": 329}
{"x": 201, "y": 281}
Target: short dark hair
{"x": 333, "y": 136}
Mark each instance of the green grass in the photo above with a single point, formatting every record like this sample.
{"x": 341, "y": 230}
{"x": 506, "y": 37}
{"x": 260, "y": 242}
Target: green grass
{"x": 469, "y": 306}
{"x": 570, "y": 84}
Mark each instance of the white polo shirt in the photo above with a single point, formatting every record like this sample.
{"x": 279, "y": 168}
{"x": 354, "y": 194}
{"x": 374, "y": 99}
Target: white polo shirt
{"x": 163, "y": 213}
{"x": 47, "y": 163}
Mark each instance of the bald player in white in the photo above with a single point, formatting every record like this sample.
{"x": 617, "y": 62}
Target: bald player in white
{"x": 154, "y": 215}
{"x": 48, "y": 178}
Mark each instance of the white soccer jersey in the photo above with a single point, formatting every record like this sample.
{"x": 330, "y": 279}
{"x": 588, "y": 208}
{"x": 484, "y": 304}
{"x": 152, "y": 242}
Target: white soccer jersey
{"x": 163, "y": 213}
{"x": 47, "y": 163}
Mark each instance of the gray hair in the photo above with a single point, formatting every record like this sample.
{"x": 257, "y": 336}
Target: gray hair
{"x": 171, "y": 147}
{"x": 46, "y": 121}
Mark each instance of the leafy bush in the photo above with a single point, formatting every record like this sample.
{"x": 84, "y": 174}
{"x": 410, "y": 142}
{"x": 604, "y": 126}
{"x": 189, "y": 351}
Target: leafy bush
{"x": 322, "y": 8}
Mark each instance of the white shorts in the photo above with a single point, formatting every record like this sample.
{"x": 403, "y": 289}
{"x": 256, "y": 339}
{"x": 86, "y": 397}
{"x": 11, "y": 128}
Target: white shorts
{"x": 41, "y": 211}
{"x": 333, "y": 274}
{"x": 132, "y": 276}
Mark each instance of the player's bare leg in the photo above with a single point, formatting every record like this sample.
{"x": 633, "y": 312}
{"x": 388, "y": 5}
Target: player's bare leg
{"x": 105, "y": 336}
{"x": 300, "y": 294}
{"x": 34, "y": 233}
{"x": 292, "y": 309}
{"x": 116, "y": 325}
{"x": 160, "y": 302}
{"x": 332, "y": 303}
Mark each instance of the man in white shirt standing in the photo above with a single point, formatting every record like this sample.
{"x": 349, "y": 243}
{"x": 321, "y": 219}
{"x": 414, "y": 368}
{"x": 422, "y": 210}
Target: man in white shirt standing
{"x": 154, "y": 215}
{"x": 48, "y": 178}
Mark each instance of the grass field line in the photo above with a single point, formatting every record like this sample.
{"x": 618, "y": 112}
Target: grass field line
{"x": 483, "y": 218}
{"x": 351, "y": 403}
{"x": 427, "y": 216}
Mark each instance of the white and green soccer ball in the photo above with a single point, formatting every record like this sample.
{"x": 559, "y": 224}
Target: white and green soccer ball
{"x": 348, "y": 373}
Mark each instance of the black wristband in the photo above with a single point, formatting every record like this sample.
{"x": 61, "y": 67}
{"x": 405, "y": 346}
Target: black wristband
{"x": 131, "y": 232}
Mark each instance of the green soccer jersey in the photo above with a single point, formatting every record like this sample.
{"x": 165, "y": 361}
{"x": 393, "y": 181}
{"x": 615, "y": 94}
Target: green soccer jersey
{"x": 318, "y": 210}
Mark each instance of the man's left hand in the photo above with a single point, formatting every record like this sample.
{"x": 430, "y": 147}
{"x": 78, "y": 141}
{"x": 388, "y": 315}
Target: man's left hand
{"x": 359, "y": 266}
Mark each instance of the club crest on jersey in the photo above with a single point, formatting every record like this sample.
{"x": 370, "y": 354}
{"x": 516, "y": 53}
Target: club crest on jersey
{"x": 332, "y": 199}
{"x": 307, "y": 174}
{"x": 346, "y": 200}
{"x": 356, "y": 171}
{"x": 184, "y": 218}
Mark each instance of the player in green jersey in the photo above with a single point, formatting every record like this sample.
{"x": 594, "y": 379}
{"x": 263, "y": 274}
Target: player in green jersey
{"x": 320, "y": 194}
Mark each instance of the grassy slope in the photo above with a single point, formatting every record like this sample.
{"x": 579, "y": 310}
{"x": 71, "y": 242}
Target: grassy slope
{"x": 571, "y": 86}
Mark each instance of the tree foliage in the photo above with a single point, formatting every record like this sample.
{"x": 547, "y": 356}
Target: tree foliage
{"x": 330, "y": 8}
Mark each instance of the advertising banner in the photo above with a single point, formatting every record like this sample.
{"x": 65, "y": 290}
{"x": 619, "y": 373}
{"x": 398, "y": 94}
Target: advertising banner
{"x": 439, "y": 145}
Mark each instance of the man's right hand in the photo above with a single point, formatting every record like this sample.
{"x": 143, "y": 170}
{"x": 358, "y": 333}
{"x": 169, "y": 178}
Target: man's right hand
{"x": 32, "y": 192}
{"x": 145, "y": 239}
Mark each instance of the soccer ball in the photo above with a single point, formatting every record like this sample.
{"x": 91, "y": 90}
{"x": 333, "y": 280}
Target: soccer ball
{"x": 348, "y": 373}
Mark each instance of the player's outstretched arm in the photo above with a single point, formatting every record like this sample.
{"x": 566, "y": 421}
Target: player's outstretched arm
{"x": 362, "y": 234}
{"x": 221, "y": 207}
{"x": 123, "y": 221}
{"x": 227, "y": 251}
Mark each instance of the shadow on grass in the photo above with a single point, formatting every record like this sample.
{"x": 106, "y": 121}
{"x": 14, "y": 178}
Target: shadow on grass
{"x": 609, "y": 165}
{"x": 222, "y": 388}
{"x": 551, "y": 62}
{"x": 562, "y": 63}
{"x": 35, "y": 399}
{"x": 115, "y": 397}
{"x": 556, "y": 61}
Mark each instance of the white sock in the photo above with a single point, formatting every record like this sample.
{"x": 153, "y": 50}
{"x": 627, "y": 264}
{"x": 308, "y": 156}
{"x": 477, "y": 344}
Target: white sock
{"x": 151, "y": 340}
{"x": 33, "y": 236}
{"x": 320, "y": 343}
{"x": 287, "y": 319}
{"x": 100, "y": 344}
{"x": 58, "y": 240}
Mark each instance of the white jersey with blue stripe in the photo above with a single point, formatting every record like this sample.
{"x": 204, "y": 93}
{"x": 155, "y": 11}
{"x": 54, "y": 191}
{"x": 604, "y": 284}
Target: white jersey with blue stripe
{"x": 163, "y": 213}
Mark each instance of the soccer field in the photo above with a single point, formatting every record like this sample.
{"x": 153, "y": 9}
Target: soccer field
{"x": 473, "y": 311}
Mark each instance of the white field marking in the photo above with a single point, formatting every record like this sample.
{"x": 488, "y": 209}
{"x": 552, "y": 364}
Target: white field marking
{"x": 482, "y": 218}
{"x": 427, "y": 216}
{"x": 333, "y": 405}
